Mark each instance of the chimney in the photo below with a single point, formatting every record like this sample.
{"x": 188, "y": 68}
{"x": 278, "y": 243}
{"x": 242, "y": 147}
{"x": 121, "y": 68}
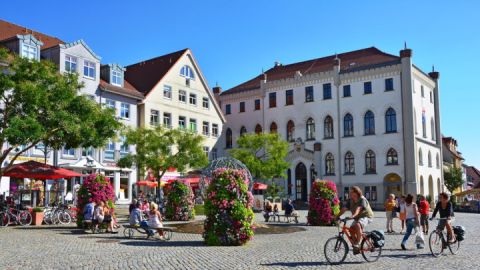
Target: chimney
{"x": 277, "y": 64}
{"x": 434, "y": 74}
{"x": 217, "y": 89}
{"x": 406, "y": 52}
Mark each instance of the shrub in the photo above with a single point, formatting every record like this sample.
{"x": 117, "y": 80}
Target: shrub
{"x": 324, "y": 204}
{"x": 228, "y": 209}
{"x": 95, "y": 188}
{"x": 179, "y": 202}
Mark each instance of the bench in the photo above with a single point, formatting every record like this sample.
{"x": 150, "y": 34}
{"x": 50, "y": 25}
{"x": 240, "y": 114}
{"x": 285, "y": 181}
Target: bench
{"x": 90, "y": 224}
{"x": 286, "y": 218}
{"x": 129, "y": 231}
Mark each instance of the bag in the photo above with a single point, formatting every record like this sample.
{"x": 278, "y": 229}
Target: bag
{"x": 107, "y": 219}
{"x": 459, "y": 232}
{"x": 394, "y": 214}
{"x": 378, "y": 238}
{"x": 419, "y": 238}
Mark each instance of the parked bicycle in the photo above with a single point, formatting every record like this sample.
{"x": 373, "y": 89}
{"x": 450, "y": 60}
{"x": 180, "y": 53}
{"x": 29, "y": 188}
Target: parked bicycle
{"x": 57, "y": 215}
{"x": 438, "y": 240}
{"x": 336, "y": 248}
{"x": 15, "y": 216}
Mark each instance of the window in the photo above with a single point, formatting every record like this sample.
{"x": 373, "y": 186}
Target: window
{"x": 310, "y": 129}
{"x": 422, "y": 91}
{"x": 369, "y": 123}
{"x": 182, "y": 96}
{"x": 243, "y": 130}
{"x": 429, "y": 157}
{"x": 290, "y": 131}
{"x": 367, "y": 88}
{"x": 327, "y": 91}
{"x": 424, "y": 124}
{"x": 273, "y": 127}
{"x": 349, "y": 163}
{"x": 109, "y": 152}
{"x": 228, "y": 109}
{"x": 348, "y": 125}
{"x": 124, "y": 148}
{"x": 420, "y": 157}
{"x": 258, "y": 129}
{"x": 167, "y": 120}
{"x": 167, "y": 91}
{"x": 193, "y": 125}
{"x": 272, "y": 100}
{"x": 431, "y": 97}
{"x": 116, "y": 78}
{"x": 392, "y": 157}
{"x": 205, "y": 103}
{"x": 70, "y": 63}
{"x": 125, "y": 110}
{"x": 242, "y": 107}
{"x": 329, "y": 164}
{"x": 289, "y": 182}
{"x": 89, "y": 69}
{"x": 415, "y": 120}
{"x": 346, "y": 193}
{"x": 328, "y": 127}
{"x": 29, "y": 51}
{"x": 193, "y": 99}
{"x": 437, "y": 161}
{"x": 370, "y": 162}
{"x": 309, "y": 94}
{"x": 154, "y": 117}
{"x": 206, "y": 150}
{"x": 432, "y": 129}
{"x": 313, "y": 173}
{"x": 214, "y": 130}
{"x": 87, "y": 151}
{"x": 182, "y": 122}
{"x": 187, "y": 72}
{"x": 390, "y": 121}
{"x": 228, "y": 138}
{"x": 69, "y": 152}
{"x": 371, "y": 193}
{"x": 110, "y": 103}
{"x": 389, "y": 84}
{"x": 347, "y": 91}
{"x": 213, "y": 154}
{"x": 257, "y": 104}
{"x": 289, "y": 97}
{"x": 206, "y": 128}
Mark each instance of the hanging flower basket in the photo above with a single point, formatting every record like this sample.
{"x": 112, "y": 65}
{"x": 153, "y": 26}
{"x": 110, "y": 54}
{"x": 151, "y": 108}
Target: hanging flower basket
{"x": 179, "y": 202}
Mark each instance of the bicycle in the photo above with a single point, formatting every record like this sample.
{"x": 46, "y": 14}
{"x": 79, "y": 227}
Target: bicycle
{"x": 15, "y": 216}
{"x": 438, "y": 240}
{"x": 56, "y": 215}
{"x": 339, "y": 247}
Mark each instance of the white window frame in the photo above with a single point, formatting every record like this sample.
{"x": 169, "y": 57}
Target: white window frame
{"x": 206, "y": 101}
{"x": 207, "y": 131}
{"x": 168, "y": 116}
{"x": 124, "y": 110}
{"x": 182, "y": 94}
{"x": 187, "y": 72}
{"x": 193, "y": 125}
{"x": 70, "y": 152}
{"x": 152, "y": 115}
{"x": 167, "y": 92}
{"x": 110, "y": 149}
{"x": 91, "y": 68}
{"x": 215, "y": 130}
{"x": 124, "y": 148}
{"x": 71, "y": 63}
{"x": 116, "y": 78}
{"x": 192, "y": 97}
{"x": 30, "y": 51}
{"x": 184, "y": 122}
{"x": 110, "y": 103}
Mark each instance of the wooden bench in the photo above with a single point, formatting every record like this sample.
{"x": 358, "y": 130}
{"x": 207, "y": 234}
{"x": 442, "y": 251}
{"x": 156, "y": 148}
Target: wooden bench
{"x": 129, "y": 231}
{"x": 286, "y": 218}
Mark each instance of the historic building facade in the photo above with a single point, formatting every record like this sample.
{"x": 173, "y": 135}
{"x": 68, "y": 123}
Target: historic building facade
{"x": 364, "y": 118}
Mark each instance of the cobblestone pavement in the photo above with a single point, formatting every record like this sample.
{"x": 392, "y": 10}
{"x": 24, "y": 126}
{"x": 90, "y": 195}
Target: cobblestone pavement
{"x": 49, "y": 247}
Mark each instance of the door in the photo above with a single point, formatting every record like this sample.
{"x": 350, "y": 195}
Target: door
{"x": 301, "y": 182}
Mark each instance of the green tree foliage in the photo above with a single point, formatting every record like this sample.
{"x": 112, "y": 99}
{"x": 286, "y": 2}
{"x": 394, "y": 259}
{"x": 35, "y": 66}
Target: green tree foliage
{"x": 161, "y": 148}
{"x": 263, "y": 154}
{"x": 40, "y": 104}
{"x": 453, "y": 179}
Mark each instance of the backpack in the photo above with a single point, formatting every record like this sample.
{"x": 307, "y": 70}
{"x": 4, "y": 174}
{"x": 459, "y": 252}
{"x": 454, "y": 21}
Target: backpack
{"x": 378, "y": 238}
{"x": 459, "y": 232}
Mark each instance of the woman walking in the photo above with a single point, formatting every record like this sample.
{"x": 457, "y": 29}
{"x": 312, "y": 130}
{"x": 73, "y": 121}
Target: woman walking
{"x": 390, "y": 205}
{"x": 401, "y": 207}
{"x": 411, "y": 218}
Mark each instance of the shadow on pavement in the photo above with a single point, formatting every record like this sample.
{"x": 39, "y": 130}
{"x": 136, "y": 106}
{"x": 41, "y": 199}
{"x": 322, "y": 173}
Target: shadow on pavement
{"x": 300, "y": 264}
{"x": 153, "y": 243}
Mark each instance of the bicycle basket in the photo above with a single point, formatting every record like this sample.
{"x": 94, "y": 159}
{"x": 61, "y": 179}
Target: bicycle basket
{"x": 459, "y": 232}
{"x": 378, "y": 238}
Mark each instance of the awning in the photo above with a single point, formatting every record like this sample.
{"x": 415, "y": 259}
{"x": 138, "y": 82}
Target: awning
{"x": 259, "y": 186}
{"x": 468, "y": 192}
{"x": 36, "y": 170}
{"x": 151, "y": 184}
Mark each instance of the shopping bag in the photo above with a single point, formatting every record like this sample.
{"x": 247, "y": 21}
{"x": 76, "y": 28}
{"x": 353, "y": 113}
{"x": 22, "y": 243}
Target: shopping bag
{"x": 419, "y": 238}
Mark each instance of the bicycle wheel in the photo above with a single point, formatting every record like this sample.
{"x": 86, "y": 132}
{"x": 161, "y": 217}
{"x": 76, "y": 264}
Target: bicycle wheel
{"x": 436, "y": 243}
{"x": 4, "y": 219}
{"x": 335, "y": 250}
{"x": 454, "y": 247}
{"x": 64, "y": 218}
{"x": 24, "y": 218}
{"x": 369, "y": 252}
{"x": 167, "y": 235}
{"x": 47, "y": 217}
{"x": 128, "y": 232}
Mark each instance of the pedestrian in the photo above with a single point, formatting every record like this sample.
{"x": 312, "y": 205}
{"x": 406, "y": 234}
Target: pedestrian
{"x": 132, "y": 206}
{"x": 445, "y": 208}
{"x": 88, "y": 211}
{"x": 155, "y": 219}
{"x": 108, "y": 218}
{"x": 424, "y": 209}
{"x": 267, "y": 212}
{"x": 390, "y": 205}
{"x": 401, "y": 209}
{"x": 411, "y": 218}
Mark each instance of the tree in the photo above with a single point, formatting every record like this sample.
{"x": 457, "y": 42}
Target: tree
{"x": 453, "y": 179}
{"x": 161, "y": 148}
{"x": 263, "y": 154}
{"x": 41, "y": 105}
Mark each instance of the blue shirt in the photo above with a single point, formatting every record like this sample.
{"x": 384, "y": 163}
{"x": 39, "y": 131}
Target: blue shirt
{"x": 88, "y": 212}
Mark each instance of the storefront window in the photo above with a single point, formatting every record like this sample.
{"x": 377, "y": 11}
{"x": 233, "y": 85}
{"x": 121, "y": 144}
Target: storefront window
{"x": 124, "y": 186}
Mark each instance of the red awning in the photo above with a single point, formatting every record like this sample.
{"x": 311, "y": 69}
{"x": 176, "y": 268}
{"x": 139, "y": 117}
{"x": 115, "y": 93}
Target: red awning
{"x": 36, "y": 170}
{"x": 259, "y": 186}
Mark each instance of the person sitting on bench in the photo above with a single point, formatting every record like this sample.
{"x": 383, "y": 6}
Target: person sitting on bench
{"x": 267, "y": 212}
{"x": 290, "y": 210}
{"x": 88, "y": 211}
{"x": 155, "y": 219}
{"x": 136, "y": 218}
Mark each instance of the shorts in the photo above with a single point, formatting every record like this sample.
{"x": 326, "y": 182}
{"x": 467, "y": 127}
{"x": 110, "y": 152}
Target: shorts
{"x": 424, "y": 219}
{"x": 389, "y": 215}
{"x": 403, "y": 216}
{"x": 364, "y": 221}
{"x": 442, "y": 223}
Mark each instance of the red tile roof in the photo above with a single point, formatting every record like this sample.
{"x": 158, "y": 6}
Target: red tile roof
{"x": 348, "y": 61}
{"x": 127, "y": 90}
{"x": 9, "y": 30}
{"x": 146, "y": 74}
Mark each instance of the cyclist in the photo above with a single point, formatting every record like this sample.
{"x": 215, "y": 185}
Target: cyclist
{"x": 445, "y": 208}
{"x": 362, "y": 215}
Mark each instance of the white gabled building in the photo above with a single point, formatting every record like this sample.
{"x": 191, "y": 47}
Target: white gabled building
{"x": 363, "y": 118}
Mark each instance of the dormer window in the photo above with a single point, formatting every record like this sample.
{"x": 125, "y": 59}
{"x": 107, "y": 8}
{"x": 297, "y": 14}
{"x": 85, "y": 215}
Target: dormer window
{"x": 70, "y": 63}
{"x": 29, "y": 51}
{"x": 187, "y": 72}
{"x": 89, "y": 69}
{"x": 116, "y": 78}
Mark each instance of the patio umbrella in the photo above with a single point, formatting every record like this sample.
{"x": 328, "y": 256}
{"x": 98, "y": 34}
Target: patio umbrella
{"x": 259, "y": 186}
{"x": 36, "y": 170}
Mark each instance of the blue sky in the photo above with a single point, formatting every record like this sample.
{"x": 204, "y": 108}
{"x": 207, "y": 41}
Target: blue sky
{"x": 234, "y": 40}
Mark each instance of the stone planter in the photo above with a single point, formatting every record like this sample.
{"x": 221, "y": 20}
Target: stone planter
{"x": 37, "y": 218}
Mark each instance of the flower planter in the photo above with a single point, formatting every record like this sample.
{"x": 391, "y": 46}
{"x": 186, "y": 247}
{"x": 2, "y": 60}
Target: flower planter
{"x": 37, "y": 218}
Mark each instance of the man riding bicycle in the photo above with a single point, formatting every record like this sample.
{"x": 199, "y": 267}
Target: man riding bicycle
{"x": 445, "y": 208}
{"x": 362, "y": 215}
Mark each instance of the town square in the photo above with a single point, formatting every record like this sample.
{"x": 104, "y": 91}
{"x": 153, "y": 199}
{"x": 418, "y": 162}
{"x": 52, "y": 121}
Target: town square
{"x": 239, "y": 135}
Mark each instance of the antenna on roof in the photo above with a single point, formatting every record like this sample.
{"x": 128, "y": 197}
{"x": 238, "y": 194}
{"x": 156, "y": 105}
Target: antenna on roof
{"x": 216, "y": 84}
{"x": 433, "y": 68}
{"x": 263, "y": 71}
{"x": 405, "y": 45}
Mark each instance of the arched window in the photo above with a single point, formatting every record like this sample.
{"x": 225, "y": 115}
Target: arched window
{"x": 420, "y": 157}
{"x": 390, "y": 121}
{"x": 422, "y": 188}
{"x": 187, "y": 72}
{"x": 313, "y": 173}
{"x": 329, "y": 164}
{"x": 370, "y": 162}
{"x": 243, "y": 130}
{"x": 429, "y": 159}
{"x": 348, "y": 125}
{"x": 415, "y": 120}
{"x": 437, "y": 161}
{"x": 310, "y": 129}
{"x": 349, "y": 163}
{"x": 369, "y": 123}
{"x": 258, "y": 129}
{"x": 273, "y": 127}
{"x": 432, "y": 127}
{"x": 290, "y": 131}
{"x": 328, "y": 127}
{"x": 392, "y": 157}
{"x": 229, "y": 139}
{"x": 424, "y": 125}
{"x": 289, "y": 180}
